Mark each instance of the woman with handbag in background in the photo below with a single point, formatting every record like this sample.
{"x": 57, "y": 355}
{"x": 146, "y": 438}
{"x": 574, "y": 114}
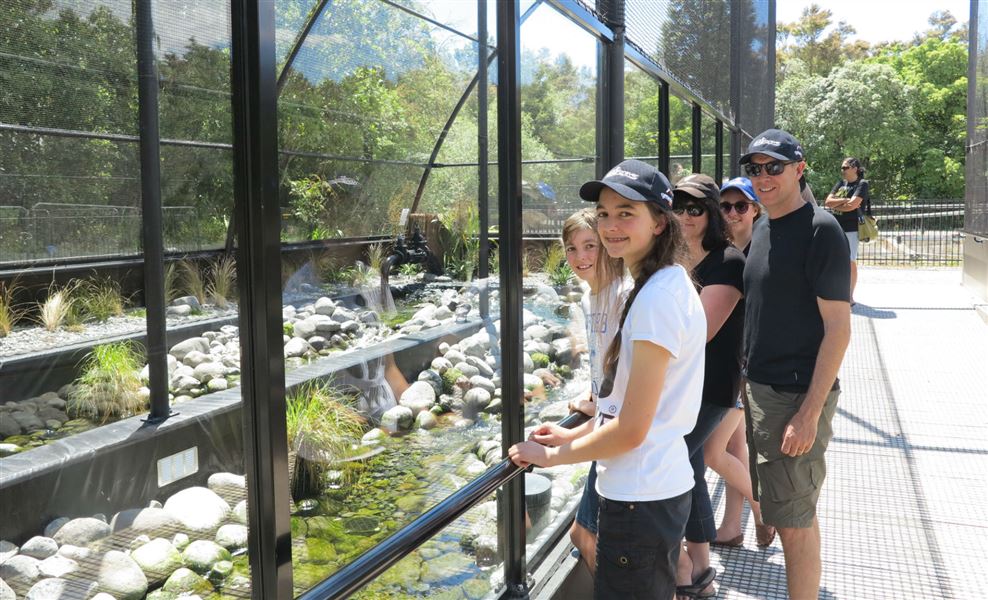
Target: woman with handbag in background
{"x": 850, "y": 201}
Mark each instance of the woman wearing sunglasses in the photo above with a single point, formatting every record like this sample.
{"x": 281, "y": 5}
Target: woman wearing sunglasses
{"x": 717, "y": 268}
{"x": 848, "y": 199}
{"x": 726, "y": 451}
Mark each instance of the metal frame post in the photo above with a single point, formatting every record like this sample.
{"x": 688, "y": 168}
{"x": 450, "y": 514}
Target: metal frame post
{"x": 610, "y": 85}
{"x": 258, "y": 222}
{"x": 483, "y": 269}
{"x": 511, "y": 499}
{"x": 697, "y": 127}
{"x": 664, "y": 136}
{"x": 151, "y": 214}
{"x": 719, "y": 151}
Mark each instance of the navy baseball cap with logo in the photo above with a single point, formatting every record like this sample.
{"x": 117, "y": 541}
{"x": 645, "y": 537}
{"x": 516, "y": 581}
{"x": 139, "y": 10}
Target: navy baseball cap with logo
{"x": 634, "y": 180}
{"x": 776, "y": 143}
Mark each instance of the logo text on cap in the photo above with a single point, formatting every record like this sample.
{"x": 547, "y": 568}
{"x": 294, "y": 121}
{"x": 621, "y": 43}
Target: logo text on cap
{"x": 618, "y": 171}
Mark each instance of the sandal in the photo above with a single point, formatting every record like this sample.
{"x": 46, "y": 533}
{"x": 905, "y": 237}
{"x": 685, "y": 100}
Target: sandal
{"x": 698, "y": 589}
{"x": 734, "y": 542}
{"x": 765, "y": 534}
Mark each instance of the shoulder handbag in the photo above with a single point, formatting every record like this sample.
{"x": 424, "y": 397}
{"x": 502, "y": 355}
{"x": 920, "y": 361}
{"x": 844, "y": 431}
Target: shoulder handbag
{"x": 867, "y": 228}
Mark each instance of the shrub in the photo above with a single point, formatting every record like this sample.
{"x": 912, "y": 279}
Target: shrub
{"x": 410, "y": 269}
{"x": 322, "y": 426}
{"x": 561, "y": 276}
{"x": 222, "y": 281}
{"x": 110, "y": 383}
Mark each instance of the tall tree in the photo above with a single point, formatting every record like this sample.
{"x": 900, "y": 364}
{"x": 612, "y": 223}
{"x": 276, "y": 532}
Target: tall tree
{"x": 816, "y": 41}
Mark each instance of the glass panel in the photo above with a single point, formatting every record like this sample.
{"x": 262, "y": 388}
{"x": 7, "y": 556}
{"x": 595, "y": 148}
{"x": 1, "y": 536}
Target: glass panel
{"x": 680, "y": 138}
{"x": 976, "y": 213}
{"x": 641, "y": 115}
{"x": 94, "y": 497}
{"x": 757, "y": 109}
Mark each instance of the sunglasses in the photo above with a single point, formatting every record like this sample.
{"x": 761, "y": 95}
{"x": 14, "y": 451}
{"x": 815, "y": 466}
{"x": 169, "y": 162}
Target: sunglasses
{"x": 739, "y": 207}
{"x": 776, "y": 167}
{"x": 845, "y": 167}
{"x": 693, "y": 210}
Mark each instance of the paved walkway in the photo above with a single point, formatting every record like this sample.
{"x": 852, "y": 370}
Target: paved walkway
{"x": 904, "y": 512}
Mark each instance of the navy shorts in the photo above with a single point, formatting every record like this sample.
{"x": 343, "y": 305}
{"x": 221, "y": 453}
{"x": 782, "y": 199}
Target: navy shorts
{"x": 586, "y": 515}
{"x": 638, "y": 547}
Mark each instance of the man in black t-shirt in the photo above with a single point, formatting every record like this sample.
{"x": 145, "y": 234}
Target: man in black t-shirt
{"x": 848, "y": 199}
{"x": 797, "y": 328}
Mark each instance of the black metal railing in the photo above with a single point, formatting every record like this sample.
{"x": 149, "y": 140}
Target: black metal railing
{"x": 917, "y": 233}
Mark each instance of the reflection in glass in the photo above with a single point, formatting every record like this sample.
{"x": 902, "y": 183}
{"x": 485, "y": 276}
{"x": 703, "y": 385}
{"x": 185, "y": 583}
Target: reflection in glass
{"x": 680, "y": 138}
{"x": 641, "y": 115}
{"x": 708, "y": 145}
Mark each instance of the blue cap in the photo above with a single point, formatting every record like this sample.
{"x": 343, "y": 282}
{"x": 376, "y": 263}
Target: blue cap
{"x": 743, "y": 185}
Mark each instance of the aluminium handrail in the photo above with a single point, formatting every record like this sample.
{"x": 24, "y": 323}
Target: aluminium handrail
{"x": 378, "y": 559}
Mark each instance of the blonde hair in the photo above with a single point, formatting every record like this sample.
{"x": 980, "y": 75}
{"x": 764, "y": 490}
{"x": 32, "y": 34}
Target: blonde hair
{"x": 607, "y": 269}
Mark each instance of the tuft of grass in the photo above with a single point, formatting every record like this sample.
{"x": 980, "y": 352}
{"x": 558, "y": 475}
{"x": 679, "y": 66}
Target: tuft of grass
{"x": 222, "y": 281}
{"x": 193, "y": 280}
{"x": 322, "y": 426}
{"x": 410, "y": 269}
{"x": 10, "y": 312}
{"x": 553, "y": 257}
{"x": 561, "y": 276}
{"x": 171, "y": 282}
{"x": 57, "y": 308}
{"x": 109, "y": 385}
{"x": 97, "y": 300}
{"x": 375, "y": 254}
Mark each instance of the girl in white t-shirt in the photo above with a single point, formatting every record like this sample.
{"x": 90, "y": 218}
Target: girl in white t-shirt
{"x": 650, "y": 395}
{"x": 607, "y": 289}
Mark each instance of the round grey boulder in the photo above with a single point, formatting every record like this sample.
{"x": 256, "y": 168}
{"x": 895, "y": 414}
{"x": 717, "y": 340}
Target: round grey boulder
{"x": 398, "y": 418}
{"x": 228, "y": 486}
{"x": 39, "y": 547}
{"x": 232, "y": 536}
{"x": 158, "y": 559}
{"x": 425, "y": 420}
{"x": 199, "y": 509}
{"x": 20, "y": 569}
{"x": 240, "y": 512}
{"x": 200, "y": 555}
{"x": 82, "y": 531}
{"x": 56, "y": 566}
{"x": 7, "y": 550}
{"x": 187, "y": 582}
{"x": 182, "y": 349}
{"x": 5, "y": 592}
{"x": 420, "y": 396}
{"x": 57, "y": 589}
{"x": 121, "y": 577}
{"x": 474, "y": 401}
{"x": 143, "y": 520}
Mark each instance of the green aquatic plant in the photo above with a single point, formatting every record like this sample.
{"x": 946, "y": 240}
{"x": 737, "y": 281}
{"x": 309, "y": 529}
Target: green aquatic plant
{"x": 410, "y": 269}
{"x": 323, "y": 426}
{"x": 110, "y": 383}
{"x": 540, "y": 360}
{"x": 561, "y": 276}
{"x": 449, "y": 379}
{"x": 222, "y": 281}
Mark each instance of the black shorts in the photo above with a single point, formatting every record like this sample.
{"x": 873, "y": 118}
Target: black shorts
{"x": 638, "y": 547}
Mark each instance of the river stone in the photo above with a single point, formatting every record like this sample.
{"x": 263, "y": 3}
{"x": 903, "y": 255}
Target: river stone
{"x": 240, "y": 512}
{"x": 447, "y": 566}
{"x": 139, "y": 541}
{"x": 8, "y": 426}
{"x": 121, "y": 577}
{"x": 39, "y": 547}
{"x": 475, "y": 345}
{"x": 199, "y": 509}
{"x": 7, "y": 549}
{"x": 398, "y": 418}
{"x": 143, "y": 520}
{"x": 440, "y": 364}
{"x": 57, "y": 589}
{"x": 28, "y": 421}
{"x": 533, "y": 383}
{"x": 373, "y": 437}
{"x": 483, "y": 368}
{"x": 304, "y": 329}
{"x": 434, "y": 378}
{"x": 190, "y": 301}
{"x": 296, "y": 348}
{"x": 158, "y": 559}
{"x": 479, "y": 381}
{"x": 82, "y": 531}
{"x": 5, "y": 592}
{"x": 217, "y": 385}
{"x": 562, "y": 351}
{"x": 228, "y": 486}
{"x": 187, "y": 582}
{"x": 555, "y": 411}
{"x": 20, "y": 569}
{"x": 425, "y": 420}
{"x": 467, "y": 369}
{"x": 209, "y": 370}
{"x": 184, "y": 383}
{"x": 183, "y": 348}
{"x": 178, "y": 311}
{"x": 538, "y": 332}
{"x": 474, "y": 401}
{"x": 195, "y": 358}
{"x": 420, "y": 396}
{"x": 454, "y": 356}
{"x": 76, "y": 553}
{"x": 105, "y": 596}
{"x": 324, "y": 306}
{"x": 181, "y": 540}
{"x": 220, "y": 571}
{"x": 350, "y": 326}
{"x": 202, "y": 554}
{"x": 233, "y": 537}
{"x": 318, "y": 342}
{"x": 56, "y": 566}
{"x": 528, "y": 362}
{"x": 325, "y": 326}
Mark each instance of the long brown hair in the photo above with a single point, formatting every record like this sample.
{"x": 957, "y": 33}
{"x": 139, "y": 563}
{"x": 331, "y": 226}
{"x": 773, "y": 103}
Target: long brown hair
{"x": 607, "y": 268}
{"x": 668, "y": 248}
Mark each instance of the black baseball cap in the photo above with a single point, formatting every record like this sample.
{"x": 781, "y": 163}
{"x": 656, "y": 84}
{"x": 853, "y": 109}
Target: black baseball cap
{"x": 634, "y": 180}
{"x": 776, "y": 143}
{"x": 697, "y": 185}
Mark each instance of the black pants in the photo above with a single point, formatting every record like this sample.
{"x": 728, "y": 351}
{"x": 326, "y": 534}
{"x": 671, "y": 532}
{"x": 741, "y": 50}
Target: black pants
{"x": 638, "y": 548}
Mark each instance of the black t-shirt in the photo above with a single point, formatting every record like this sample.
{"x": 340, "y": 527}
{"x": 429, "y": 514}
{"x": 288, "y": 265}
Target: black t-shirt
{"x": 842, "y": 189}
{"x": 722, "y": 367}
{"x": 793, "y": 260}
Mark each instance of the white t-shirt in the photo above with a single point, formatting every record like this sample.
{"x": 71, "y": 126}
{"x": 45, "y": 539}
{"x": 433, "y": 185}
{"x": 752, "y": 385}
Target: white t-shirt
{"x": 603, "y": 317}
{"x": 667, "y": 312}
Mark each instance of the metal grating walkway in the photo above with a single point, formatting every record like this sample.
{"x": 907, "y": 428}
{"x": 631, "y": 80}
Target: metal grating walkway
{"x": 903, "y": 513}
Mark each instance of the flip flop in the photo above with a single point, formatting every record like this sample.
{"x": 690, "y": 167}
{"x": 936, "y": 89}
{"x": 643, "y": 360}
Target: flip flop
{"x": 765, "y": 535}
{"x": 698, "y": 589}
{"x": 734, "y": 542}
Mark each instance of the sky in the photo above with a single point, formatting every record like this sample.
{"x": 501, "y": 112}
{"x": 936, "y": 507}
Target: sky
{"x": 878, "y": 20}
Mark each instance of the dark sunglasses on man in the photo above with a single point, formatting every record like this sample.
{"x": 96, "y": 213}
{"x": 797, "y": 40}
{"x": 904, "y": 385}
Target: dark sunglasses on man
{"x": 776, "y": 167}
{"x": 740, "y": 207}
{"x": 693, "y": 210}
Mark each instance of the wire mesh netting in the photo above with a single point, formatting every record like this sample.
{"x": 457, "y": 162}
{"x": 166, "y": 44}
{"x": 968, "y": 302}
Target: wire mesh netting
{"x": 976, "y": 194}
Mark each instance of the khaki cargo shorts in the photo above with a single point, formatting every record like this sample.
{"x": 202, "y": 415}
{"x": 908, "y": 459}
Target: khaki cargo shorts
{"x": 786, "y": 486}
